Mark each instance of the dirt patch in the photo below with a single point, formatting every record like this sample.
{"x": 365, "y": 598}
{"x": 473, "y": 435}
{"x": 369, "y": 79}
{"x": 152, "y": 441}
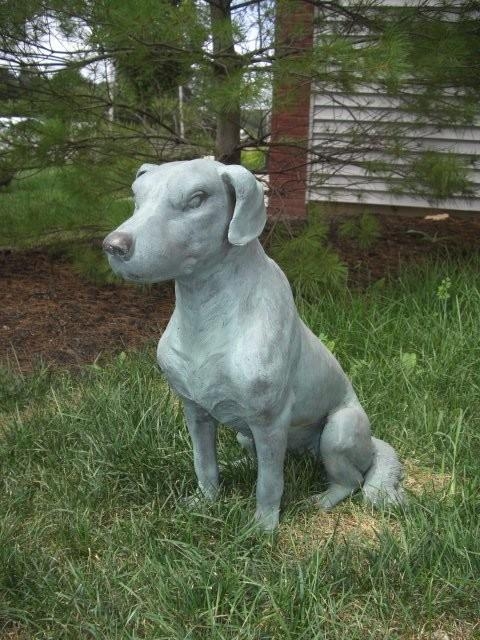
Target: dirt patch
{"x": 50, "y": 313}
{"x": 312, "y": 529}
{"x": 420, "y": 480}
{"x": 449, "y": 629}
{"x": 354, "y": 521}
{"x": 404, "y": 240}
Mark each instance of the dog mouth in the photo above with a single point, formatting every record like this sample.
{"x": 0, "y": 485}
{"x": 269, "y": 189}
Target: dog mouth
{"x": 132, "y": 276}
{"x": 127, "y": 272}
{"x": 119, "y": 268}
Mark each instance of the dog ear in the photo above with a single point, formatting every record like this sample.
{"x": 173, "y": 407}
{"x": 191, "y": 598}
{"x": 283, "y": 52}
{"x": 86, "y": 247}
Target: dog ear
{"x": 249, "y": 215}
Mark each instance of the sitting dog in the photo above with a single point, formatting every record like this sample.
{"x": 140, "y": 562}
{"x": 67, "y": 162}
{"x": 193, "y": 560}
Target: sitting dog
{"x": 235, "y": 349}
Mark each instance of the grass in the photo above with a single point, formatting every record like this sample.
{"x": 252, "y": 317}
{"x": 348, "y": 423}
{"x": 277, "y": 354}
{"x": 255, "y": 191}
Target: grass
{"x": 94, "y": 542}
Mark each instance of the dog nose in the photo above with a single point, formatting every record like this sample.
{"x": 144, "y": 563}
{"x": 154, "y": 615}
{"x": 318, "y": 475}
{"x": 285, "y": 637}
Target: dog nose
{"x": 118, "y": 243}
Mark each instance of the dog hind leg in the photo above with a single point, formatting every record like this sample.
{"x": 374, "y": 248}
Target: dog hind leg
{"x": 346, "y": 450}
{"x": 248, "y": 444}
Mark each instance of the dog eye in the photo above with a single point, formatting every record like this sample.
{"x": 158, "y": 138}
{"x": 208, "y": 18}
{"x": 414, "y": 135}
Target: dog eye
{"x": 196, "y": 200}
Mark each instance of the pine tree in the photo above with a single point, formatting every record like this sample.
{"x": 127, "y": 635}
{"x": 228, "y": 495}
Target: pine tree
{"x": 75, "y": 112}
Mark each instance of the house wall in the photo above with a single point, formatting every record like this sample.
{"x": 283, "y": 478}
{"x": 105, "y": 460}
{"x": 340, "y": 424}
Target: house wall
{"x": 336, "y": 175}
{"x": 335, "y": 116}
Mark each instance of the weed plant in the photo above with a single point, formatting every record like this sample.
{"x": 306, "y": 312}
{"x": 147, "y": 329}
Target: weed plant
{"x": 310, "y": 264}
{"x": 364, "y": 230}
{"x": 96, "y": 543}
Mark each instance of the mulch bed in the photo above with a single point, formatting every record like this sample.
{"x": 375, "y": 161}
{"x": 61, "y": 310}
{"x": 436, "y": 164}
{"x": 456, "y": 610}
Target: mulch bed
{"x": 50, "y": 314}
{"x": 404, "y": 240}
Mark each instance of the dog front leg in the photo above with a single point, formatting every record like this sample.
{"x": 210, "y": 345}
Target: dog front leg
{"x": 271, "y": 445}
{"x": 203, "y": 431}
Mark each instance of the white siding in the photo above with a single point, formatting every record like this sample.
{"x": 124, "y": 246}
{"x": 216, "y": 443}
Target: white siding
{"x": 370, "y": 113}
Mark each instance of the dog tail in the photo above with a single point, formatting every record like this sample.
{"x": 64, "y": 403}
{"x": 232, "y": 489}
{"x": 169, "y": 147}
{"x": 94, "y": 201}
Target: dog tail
{"x": 382, "y": 484}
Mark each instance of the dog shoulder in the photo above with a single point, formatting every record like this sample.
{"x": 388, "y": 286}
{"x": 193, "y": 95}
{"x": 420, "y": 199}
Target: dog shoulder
{"x": 267, "y": 347}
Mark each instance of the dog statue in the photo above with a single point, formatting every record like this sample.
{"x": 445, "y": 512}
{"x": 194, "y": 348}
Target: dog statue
{"x": 235, "y": 349}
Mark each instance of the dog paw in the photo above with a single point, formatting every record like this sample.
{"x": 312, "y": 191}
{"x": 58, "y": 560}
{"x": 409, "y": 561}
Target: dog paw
{"x": 198, "y": 499}
{"x": 322, "y": 501}
{"x": 193, "y": 500}
{"x": 267, "y": 521}
{"x": 332, "y": 496}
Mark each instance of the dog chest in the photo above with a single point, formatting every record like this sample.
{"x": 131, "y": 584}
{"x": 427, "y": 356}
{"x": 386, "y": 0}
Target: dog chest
{"x": 201, "y": 377}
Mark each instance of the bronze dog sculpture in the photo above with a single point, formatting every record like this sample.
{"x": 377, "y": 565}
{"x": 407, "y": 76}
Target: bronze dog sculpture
{"x": 235, "y": 349}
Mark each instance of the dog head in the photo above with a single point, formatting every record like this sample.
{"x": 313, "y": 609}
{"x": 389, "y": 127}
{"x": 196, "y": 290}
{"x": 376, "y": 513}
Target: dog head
{"x": 187, "y": 217}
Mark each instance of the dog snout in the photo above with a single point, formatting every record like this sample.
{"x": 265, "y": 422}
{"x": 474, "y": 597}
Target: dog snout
{"x": 118, "y": 243}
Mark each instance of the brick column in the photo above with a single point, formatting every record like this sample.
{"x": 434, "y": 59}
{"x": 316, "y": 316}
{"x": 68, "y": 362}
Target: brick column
{"x": 287, "y": 164}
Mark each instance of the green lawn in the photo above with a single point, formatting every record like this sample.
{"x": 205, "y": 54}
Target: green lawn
{"x": 94, "y": 542}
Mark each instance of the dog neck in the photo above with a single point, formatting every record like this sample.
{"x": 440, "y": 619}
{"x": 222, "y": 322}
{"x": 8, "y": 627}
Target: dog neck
{"x": 216, "y": 293}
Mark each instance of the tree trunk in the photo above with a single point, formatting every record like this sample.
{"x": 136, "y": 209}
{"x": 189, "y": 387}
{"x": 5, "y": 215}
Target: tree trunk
{"x": 226, "y": 71}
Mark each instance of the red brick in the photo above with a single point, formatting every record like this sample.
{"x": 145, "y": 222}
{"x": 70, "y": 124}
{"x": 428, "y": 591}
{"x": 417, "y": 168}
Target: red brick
{"x": 290, "y": 115}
